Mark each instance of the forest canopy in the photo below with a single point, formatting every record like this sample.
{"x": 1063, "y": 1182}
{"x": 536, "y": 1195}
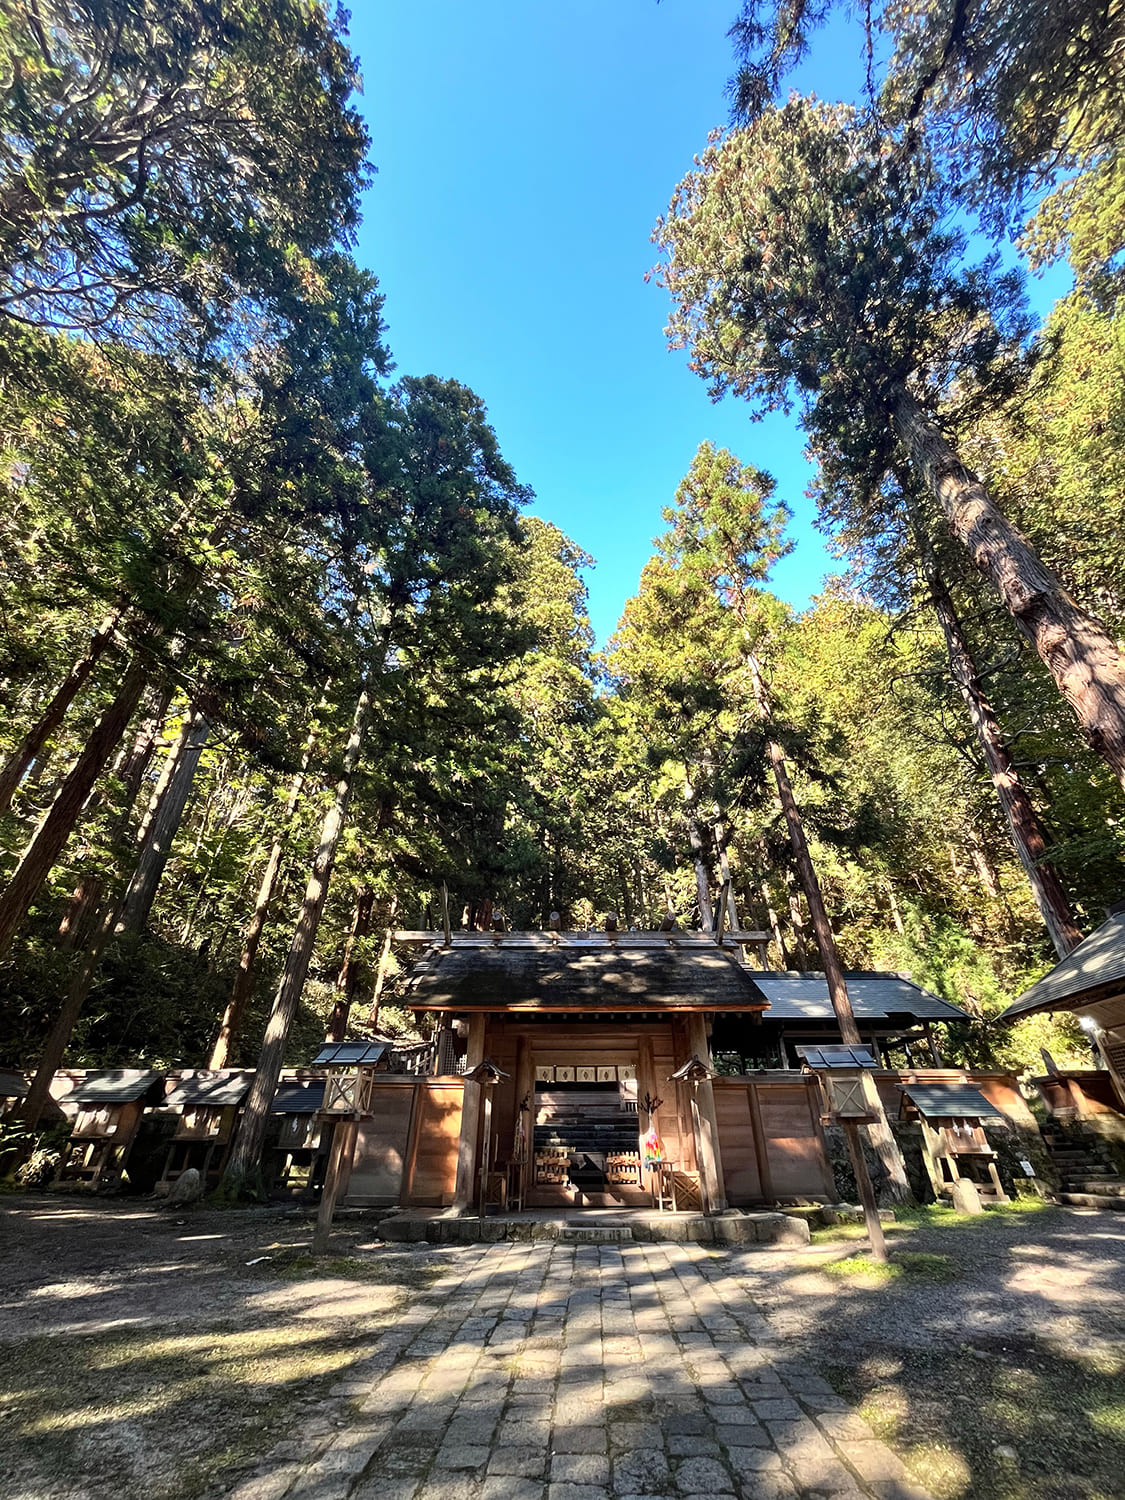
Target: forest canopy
{"x": 286, "y": 665}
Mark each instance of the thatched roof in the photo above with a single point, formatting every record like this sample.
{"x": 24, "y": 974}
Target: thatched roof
{"x": 582, "y": 977}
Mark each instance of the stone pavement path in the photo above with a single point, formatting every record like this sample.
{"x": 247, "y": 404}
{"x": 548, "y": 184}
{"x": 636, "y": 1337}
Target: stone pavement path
{"x": 550, "y": 1372}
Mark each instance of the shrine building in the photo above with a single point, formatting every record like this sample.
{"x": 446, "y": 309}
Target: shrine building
{"x": 632, "y": 1069}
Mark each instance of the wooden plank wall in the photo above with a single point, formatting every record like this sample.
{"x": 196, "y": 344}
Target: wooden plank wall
{"x": 771, "y": 1140}
{"x": 408, "y": 1151}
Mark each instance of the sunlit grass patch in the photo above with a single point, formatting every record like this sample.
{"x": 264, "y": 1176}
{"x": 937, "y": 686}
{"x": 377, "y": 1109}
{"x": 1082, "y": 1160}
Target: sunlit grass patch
{"x": 411, "y": 1273}
{"x": 955, "y": 1412}
{"x": 157, "y": 1416}
{"x": 928, "y": 1266}
{"x": 864, "y": 1265}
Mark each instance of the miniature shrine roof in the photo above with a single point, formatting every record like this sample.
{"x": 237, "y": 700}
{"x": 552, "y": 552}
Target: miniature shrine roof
{"x": 531, "y": 972}
{"x": 837, "y": 1057}
{"x": 113, "y": 1086}
{"x": 1095, "y": 970}
{"x": 945, "y": 1101}
{"x": 796, "y": 996}
{"x": 210, "y": 1088}
{"x": 298, "y": 1098}
{"x": 349, "y": 1054}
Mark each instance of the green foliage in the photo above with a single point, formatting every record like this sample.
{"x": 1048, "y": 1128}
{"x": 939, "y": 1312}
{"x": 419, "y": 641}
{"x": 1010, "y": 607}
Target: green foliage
{"x": 163, "y": 165}
{"x": 810, "y": 263}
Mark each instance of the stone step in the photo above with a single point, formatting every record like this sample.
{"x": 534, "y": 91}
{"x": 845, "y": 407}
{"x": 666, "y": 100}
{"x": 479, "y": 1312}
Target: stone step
{"x": 1108, "y": 1187}
{"x": 1093, "y": 1200}
{"x": 595, "y": 1234}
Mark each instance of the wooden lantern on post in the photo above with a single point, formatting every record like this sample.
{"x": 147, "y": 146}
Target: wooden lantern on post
{"x": 348, "y": 1092}
{"x": 487, "y": 1075}
{"x": 848, "y": 1092}
{"x": 696, "y": 1072}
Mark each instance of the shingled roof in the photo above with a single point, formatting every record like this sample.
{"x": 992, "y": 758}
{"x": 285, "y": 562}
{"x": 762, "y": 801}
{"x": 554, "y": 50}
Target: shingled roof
{"x": 582, "y": 977}
{"x": 875, "y": 997}
{"x": 1094, "y": 971}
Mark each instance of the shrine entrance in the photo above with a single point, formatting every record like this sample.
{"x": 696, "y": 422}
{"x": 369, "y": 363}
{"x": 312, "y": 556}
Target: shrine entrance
{"x": 585, "y": 1138}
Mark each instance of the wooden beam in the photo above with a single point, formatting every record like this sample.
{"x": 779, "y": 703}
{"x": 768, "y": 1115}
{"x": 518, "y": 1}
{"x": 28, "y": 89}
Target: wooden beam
{"x": 435, "y": 938}
{"x": 470, "y": 1119}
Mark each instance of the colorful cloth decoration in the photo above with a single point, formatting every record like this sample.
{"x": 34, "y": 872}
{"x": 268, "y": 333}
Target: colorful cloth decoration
{"x": 653, "y": 1147}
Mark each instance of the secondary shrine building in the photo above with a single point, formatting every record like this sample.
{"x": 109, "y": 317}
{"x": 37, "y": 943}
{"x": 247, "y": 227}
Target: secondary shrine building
{"x": 561, "y": 1061}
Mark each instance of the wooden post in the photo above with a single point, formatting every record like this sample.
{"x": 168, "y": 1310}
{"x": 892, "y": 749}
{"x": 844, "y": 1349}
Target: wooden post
{"x": 470, "y": 1120}
{"x": 866, "y": 1192}
{"x": 525, "y": 1090}
{"x": 486, "y": 1149}
{"x": 384, "y": 960}
{"x": 761, "y": 1145}
{"x": 933, "y": 1046}
{"x": 339, "y": 1166}
{"x": 705, "y": 1120}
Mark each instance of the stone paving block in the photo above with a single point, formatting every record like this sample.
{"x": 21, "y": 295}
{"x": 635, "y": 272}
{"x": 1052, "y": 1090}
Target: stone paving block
{"x": 872, "y": 1460}
{"x": 578, "y": 1439}
{"x": 689, "y": 1445}
{"x": 510, "y": 1487}
{"x": 777, "y": 1411}
{"x": 747, "y": 1434}
{"x": 746, "y": 1461}
{"x": 407, "y": 1458}
{"x": 641, "y": 1473}
{"x": 898, "y": 1489}
{"x": 269, "y": 1486}
{"x": 768, "y": 1487}
{"x": 841, "y": 1425}
{"x": 740, "y": 1415}
{"x": 462, "y": 1456}
{"x": 445, "y": 1487}
{"x": 378, "y": 1487}
{"x": 526, "y": 1463}
{"x": 632, "y": 1435}
{"x": 704, "y": 1476}
{"x": 519, "y": 1427}
{"x": 567, "y": 1491}
{"x": 580, "y": 1468}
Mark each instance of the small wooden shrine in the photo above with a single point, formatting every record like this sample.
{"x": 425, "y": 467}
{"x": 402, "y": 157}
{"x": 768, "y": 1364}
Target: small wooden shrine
{"x": 207, "y": 1104}
{"x": 107, "y": 1108}
{"x": 955, "y": 1147}
{"x": 1090, "y": 983}
{"x": 298, "y": 1137}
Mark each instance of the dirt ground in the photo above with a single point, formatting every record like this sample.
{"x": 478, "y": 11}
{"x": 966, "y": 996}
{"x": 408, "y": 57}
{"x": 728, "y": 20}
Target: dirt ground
{"x": 144, "y": 1353}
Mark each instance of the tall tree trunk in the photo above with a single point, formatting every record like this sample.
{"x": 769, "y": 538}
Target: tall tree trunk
{"x": 724, "y": 872}
{"x": 796, "y": 920}
{"x": 1023, "y": 822}
{"x": 348, "y": 981}
{"x": 775, "y": 925}
{"x": 231, "y": 1024}
{"x": 1077, "y": 650}
{"x": 54, "y": 1049}
{"x": 52, "y": 716}
{"x": 879, "y": 1133}
{"x": 47, "y": 843}
{"x": 699, "y": 859}
{"x": 163, "y": 819}
{"x": 88, "y": 893}
{"x": 384, "y": 962}
{"x": 246, "y": 1156}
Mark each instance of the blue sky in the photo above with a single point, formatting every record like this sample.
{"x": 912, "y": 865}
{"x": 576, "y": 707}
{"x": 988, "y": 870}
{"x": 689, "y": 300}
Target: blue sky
{"x": 524, "y": 151}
